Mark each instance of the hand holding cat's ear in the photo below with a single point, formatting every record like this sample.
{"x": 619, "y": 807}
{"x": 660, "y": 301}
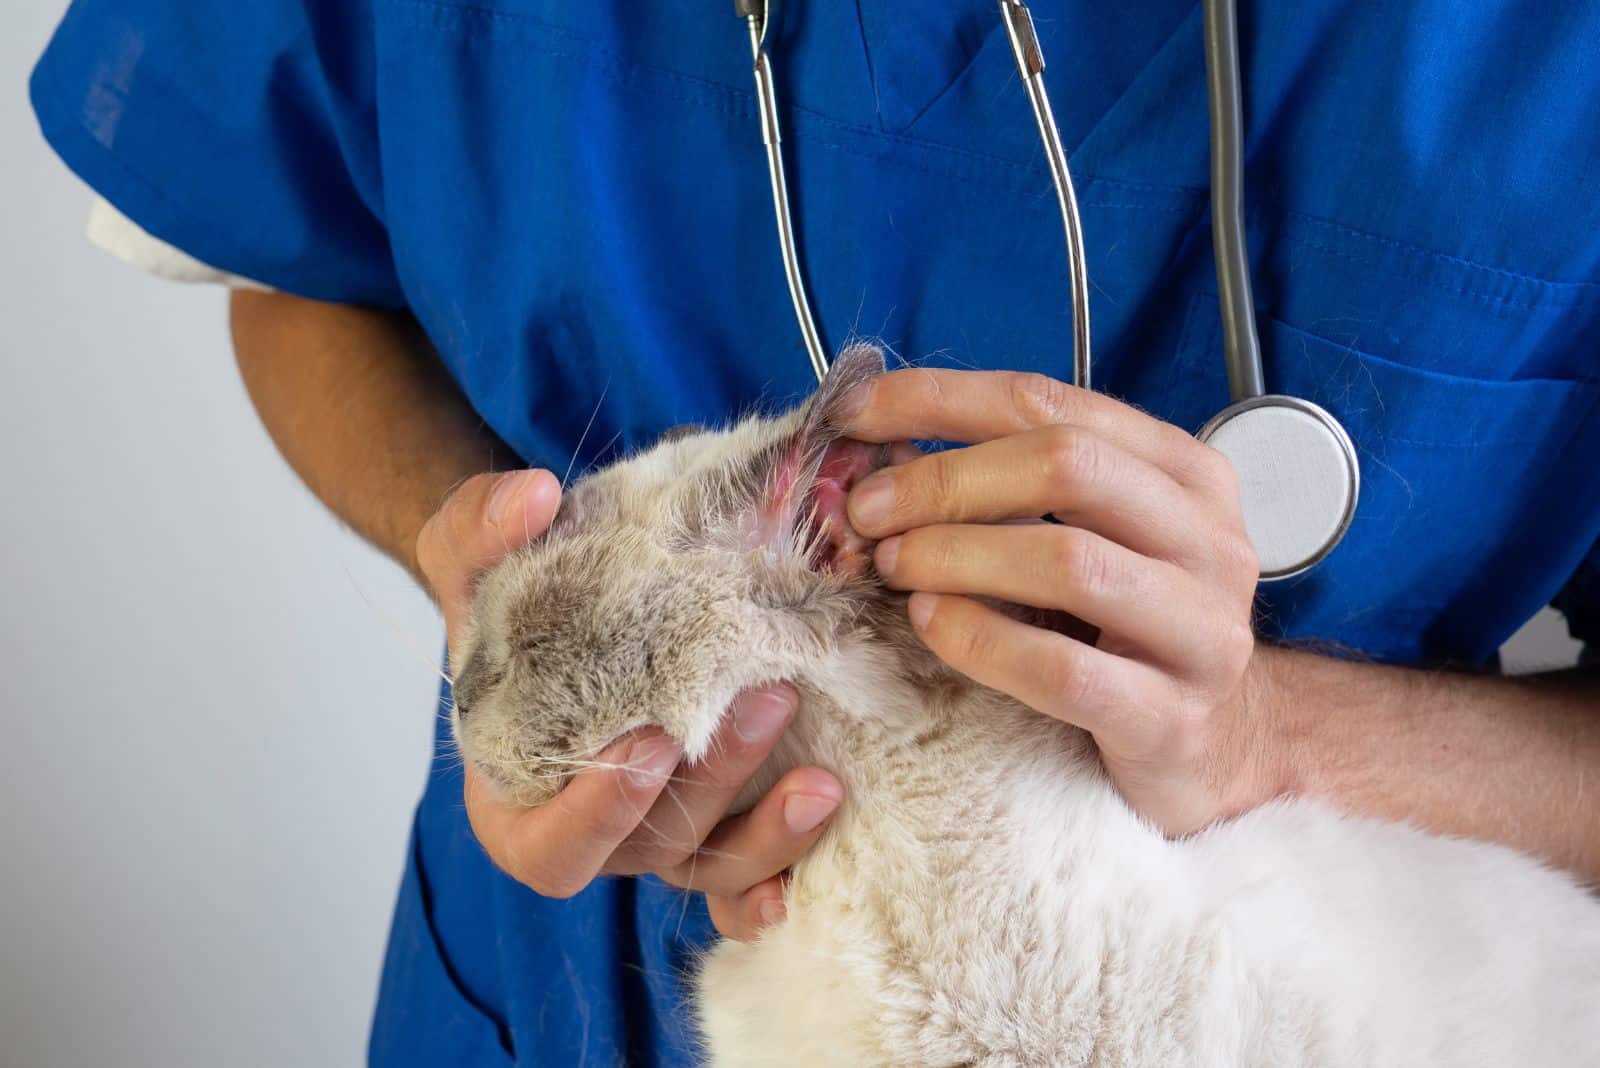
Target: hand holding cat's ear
{"x": 1150, "y": 549}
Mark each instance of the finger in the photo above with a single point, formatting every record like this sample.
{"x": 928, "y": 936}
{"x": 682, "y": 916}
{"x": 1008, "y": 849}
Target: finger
{"x": 487, "y": 517}
{"x": 700, "y": 794}
{"x": 559, "y": 847}
{"x": 1150, "y": 604}
{"x": 903, "y": 452}
{"x": 976, "y": 406}
{"x": 743, "y": 917}
{"x": 1080, "y": 477}
{"x": 1117, "y": 700}
{"x": 768, "y": 839}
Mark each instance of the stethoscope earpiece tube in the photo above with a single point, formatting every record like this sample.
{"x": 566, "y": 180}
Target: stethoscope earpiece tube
{"x": 756, "y": 15}
{"x": 1030, "y": 68}
{"x": 1241, "y": 345}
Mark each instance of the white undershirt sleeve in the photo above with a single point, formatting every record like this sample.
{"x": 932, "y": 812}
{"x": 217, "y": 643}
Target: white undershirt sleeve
{"x": 119, "y": 235}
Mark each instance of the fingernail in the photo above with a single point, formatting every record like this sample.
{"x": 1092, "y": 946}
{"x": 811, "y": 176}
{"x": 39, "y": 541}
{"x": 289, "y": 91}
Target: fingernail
{"x": 804, "y": 812}
{"x": 853, "y": 403}
{"x": 506, "y": 494}
{"x": 887, "y": 553}
{"x": 772, "y": 912}
{"x": 761, "y": 715}
{"x": 870, "y": 501}
{"x": 652, "y": 760}
{"x": 920, "y": 608}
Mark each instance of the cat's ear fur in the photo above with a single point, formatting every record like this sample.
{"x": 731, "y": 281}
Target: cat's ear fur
{"x": 856, "y": 363}
{"x": 822, "y": 419}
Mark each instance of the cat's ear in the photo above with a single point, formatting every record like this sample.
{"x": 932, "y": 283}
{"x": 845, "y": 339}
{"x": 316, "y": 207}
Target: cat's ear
{"x": 855, "y": 364}
{"x": 794, "y": 462}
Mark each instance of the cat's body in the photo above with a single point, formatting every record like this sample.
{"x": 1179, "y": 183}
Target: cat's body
{"x": 984, "y": 896}
{"x": 991, "y": 900}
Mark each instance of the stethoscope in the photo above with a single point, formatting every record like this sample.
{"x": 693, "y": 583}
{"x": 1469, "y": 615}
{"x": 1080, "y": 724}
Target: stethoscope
{"x": 1297, "y": 469}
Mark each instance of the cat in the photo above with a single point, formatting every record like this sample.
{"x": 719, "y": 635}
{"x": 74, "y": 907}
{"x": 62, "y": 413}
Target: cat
{"x": 983, "y": 896}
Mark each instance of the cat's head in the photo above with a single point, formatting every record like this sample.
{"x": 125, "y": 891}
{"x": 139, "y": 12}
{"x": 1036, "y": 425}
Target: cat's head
{"x": 714, "y": 561}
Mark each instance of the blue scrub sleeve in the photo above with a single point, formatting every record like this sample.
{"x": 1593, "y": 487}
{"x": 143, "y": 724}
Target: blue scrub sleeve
{"x": 244, "y": 134}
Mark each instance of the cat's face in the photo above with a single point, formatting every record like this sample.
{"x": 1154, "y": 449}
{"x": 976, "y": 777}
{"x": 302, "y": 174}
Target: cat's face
{"x": 667, "y": 583}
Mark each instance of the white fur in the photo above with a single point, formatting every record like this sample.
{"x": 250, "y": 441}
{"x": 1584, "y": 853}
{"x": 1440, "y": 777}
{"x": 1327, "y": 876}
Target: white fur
{"x": 987, "y": 898}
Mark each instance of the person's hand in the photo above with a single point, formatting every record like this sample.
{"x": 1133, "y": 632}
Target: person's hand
{"x": 642, "y": 811}
{"x": 1151, "y": 550}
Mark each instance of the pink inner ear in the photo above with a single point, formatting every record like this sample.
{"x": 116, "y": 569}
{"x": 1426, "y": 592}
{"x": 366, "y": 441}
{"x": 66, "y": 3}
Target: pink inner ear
{"x": 841, "y": 549}
{"x": 837, "y": 548}
{"x": 775, "y": 515}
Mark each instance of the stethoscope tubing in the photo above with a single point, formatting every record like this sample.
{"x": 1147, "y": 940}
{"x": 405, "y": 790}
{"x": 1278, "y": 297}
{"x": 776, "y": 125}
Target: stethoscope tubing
{"x": 1264, "y": 436}
{"x": 755, "y": 16}
{"x": 1240, "y": 343}
{"x": 1030, "y": 67}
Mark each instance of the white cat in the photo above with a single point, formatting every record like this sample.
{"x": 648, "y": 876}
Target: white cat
{"x": 984, "y": 896}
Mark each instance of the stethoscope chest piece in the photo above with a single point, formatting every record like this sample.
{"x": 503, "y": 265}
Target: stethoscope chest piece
{"x": 1298, "y": 478}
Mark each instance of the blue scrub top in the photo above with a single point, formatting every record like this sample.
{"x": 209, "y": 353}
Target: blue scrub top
{"x": 572, "y": 200}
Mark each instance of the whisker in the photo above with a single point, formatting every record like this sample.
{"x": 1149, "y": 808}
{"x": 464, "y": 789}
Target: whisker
{"x": 693, "y": 862}
{"x": 600, "y": 453}
{"x": 694, "y": 857}
{"x": 580, "y": 765}
{"x": 527, "y": 535}
{"x": 656, "y": 834}
{"x": 719, "y": 854}
{"x": 585, "y": 435}
{"x": 399, "y": 632}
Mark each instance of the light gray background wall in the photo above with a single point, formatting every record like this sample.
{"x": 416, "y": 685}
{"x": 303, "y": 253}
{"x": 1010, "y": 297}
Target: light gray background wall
{"x": 212, "y": 742}
{"x": 217, "y": 703}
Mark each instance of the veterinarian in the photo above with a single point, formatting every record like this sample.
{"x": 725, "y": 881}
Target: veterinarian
{"x": 469, "y": 242}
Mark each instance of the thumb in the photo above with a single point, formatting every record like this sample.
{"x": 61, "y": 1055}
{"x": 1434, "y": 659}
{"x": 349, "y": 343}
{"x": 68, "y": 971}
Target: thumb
{"x": 487, "y": 517}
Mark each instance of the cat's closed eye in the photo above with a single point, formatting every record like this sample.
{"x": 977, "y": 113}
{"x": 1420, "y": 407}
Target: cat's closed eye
{"x": 472, "y": 682}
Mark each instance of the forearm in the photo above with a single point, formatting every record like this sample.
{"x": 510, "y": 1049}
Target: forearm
{"x": 360, "y": 406}
{"x": 1501, "y": 760}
